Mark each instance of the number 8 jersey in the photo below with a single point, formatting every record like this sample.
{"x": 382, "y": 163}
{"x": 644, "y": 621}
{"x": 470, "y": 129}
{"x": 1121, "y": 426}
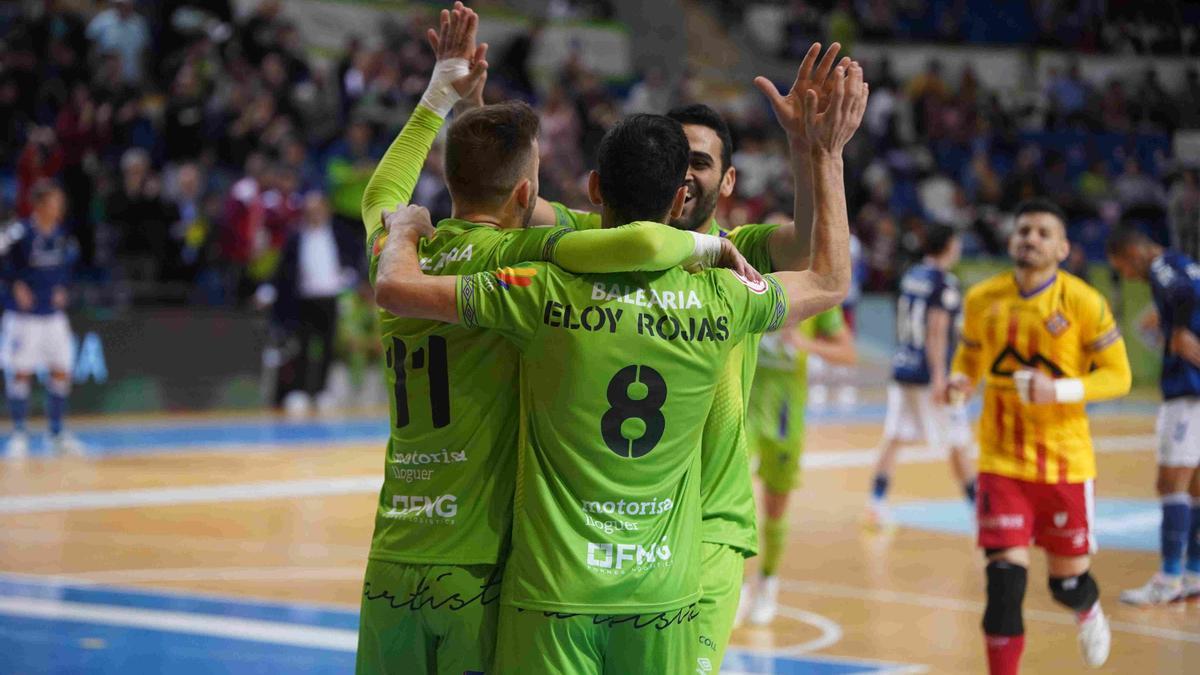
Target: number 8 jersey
{"x": 618, "y": 373}
{"x": 923, "y": 288}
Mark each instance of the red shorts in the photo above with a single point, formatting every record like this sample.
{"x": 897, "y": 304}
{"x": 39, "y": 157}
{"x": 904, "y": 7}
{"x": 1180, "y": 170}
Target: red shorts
{"x": 1056, "y": 517}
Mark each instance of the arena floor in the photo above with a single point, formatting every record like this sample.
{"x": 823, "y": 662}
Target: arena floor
{"x": 237, "y": 545}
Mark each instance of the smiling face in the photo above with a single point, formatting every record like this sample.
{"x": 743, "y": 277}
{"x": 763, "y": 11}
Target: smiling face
{"x": 1039, "y": 241}
{"x": 706, "y": 182}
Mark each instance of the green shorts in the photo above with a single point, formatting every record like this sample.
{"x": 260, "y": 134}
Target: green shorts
{"x": 533, "y": 642}
{"x": 775, "y": 421}
{"x": 721, "y": 587}
{"x": 427, "y": 619}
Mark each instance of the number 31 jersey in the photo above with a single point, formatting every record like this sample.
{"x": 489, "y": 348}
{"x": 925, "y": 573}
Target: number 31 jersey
{"x": 451, "y": 453}
{"x": 618, "y": 373}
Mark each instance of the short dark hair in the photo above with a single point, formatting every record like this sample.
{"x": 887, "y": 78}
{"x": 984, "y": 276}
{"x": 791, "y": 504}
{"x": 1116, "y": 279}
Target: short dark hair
{"x": 702, "y": 115}
{"x": 1041, "y": 205}
{"x": 938, "y": 238}
{"x": 488, "y": 151}
{"x": 642, "y": 162}
{"x": 1124, "y": 238}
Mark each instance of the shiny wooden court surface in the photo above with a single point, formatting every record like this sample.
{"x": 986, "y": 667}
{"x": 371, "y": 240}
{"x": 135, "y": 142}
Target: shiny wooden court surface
{"x": 293, "y": 523}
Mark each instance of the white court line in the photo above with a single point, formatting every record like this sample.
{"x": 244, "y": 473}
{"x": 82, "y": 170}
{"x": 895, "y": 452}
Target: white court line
{"x": 317, "y": 487}
{"x": 267, "y": 574}
{"x": 196, "y": 494}
{"x": 918, "y": 454}
{"x": 974, "y": 607}
{"x": 231, "y": 628}
{"x": 831, "y": 632}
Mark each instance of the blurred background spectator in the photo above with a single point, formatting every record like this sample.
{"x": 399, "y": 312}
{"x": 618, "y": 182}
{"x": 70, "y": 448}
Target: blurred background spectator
{"x": 315, "y": 267}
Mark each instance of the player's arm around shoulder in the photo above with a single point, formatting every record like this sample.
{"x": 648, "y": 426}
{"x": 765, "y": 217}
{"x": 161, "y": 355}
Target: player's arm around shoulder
{"x": 400, "y": 286}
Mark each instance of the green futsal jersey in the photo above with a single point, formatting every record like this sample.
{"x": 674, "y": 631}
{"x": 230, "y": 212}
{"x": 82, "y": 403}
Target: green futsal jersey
{"x": 727, "y": 493}
{"x": 618, "y": 373}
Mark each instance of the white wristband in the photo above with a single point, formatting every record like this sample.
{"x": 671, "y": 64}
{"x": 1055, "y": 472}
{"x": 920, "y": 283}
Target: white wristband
{"x": 440, "y": 96}
{"x": 1068, "y": 390}
{"x": 707, "y": 251}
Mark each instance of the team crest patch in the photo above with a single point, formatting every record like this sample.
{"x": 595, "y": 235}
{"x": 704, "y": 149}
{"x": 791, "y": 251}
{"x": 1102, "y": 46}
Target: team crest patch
{"x": 515, "y": 276}
{"x": 380, "y": 239}
{"x": 758, "y": 287}
{"x": 1057, "y": 324}
{"x": 1060, "y": 519}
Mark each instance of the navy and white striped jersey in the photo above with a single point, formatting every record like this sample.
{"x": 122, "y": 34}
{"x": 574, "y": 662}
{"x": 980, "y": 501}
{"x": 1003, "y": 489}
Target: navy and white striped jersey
{"x": 1175, "y": 284}
{"x": 923, "y": 288}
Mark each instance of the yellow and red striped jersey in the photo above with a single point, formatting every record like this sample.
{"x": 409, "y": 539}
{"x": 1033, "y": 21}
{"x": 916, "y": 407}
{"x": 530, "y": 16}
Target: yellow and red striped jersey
{"x": 1066, "y": 330}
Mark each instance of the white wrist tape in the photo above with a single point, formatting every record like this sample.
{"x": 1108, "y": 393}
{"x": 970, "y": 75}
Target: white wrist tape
{"x": 707, "y": 250}
{"x": 1068, "y": 390}
{"x": 440, "y": 96}
{"x": 1023, "y": 381}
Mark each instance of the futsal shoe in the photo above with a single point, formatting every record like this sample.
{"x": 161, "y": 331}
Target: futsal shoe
{"x": 1095, "y": 638}
{"x": 1160, "y": 590}
{"x": 766, "y": 601}
{"x": 66, "y": 443}
{"x": 17, "y": 446}
{"x": 1191, "y": 586}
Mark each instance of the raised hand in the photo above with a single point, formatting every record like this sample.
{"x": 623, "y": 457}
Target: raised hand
{"x": 831, "y": 127}
{"x": 455, "y": 39}
{"x": 732, "y": 259}
{"x": 812, "y": 76}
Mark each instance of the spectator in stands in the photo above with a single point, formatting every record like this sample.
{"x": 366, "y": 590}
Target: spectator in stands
{"x": 121, "y": 31}
{"x": 351, "y": 163}
{"x": 1135, "y": 190}
{"x": 512, "y": 68}
{"x": 140, "y": 218}
{"x": 316, "y": 265}
{"x": 184, "y": 130}
{"x": 1183, "y": 214}
{"x": 1094, "y": 185}
{"x": 1114, "y": 107}
{"x": 1068, "y": 96}
{"x": 1188, "y": 111}
{"x": 1025, "y": 180}
{"x": 1153, "y": 105}
{"x": 42, "y": 158}
{"x": 191, "y": 223}
{"x": 260, "y": 31}
{"x": 651, "y": 95}
{"x": 84, "y": 130}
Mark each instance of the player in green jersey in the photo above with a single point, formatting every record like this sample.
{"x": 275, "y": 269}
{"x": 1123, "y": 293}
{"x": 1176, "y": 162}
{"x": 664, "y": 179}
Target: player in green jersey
{"x": 776, "y": 430}
{"x": 431, "y": 590}
{"x": 727, "y": 494}
{"x": 618, "y": 372}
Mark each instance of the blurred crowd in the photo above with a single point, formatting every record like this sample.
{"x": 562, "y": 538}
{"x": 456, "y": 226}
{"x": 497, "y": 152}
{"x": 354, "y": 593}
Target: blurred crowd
{"x": 195, "y": 144}
{"x": 942, "y": 148}
{"x": 1091, "y": 26}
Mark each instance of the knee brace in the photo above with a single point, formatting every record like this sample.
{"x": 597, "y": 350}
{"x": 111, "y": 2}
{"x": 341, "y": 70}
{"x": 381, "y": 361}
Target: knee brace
{"x": 1077, "y": 593}
{"x": 59, "y": 386}
{"x": 1006, "y": 593}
